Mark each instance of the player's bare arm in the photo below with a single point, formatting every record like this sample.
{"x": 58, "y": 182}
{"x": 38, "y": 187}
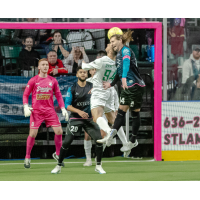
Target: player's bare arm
{"x": 83, "y": 114}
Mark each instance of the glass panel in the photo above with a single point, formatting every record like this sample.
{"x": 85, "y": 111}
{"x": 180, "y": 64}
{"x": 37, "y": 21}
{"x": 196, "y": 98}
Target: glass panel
{"x": 183, "y": 59}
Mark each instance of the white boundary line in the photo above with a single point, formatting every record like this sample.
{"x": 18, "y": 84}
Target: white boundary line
{"x": 77, "y": 162}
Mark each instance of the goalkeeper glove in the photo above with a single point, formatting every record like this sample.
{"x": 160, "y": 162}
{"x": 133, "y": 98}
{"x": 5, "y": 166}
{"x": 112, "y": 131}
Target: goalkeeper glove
{"x": 27, "y": 110}
{"x": 65, "y": 114}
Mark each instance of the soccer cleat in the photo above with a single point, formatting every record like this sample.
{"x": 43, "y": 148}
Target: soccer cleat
{"x": 56, "y": 170}
{"x": 113, "y": 132}
{"x": 99, "y": 169}
{"x": 103, "y": 141}
{"x": 129, "y": 146}
{"x": 27, "y": 163}
{"x": 87, "y": 163}
{"x": 127, "y": 153}
{"x": 125, "y": 147}
{"x": 56, "y": 157}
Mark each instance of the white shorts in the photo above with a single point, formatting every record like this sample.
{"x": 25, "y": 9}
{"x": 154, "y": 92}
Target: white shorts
{"x": 105, "y": 98}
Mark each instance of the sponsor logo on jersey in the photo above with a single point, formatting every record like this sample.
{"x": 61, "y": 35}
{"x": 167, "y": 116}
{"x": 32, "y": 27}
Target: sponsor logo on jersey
{"x": 83, "y": 103}
{"x": 43, "y": 96}
{"x": 41, "y": 89}
{"x": 50, "y": 83}
{"x": 37, "y": 83}
{"x": 125, "y": 51}
{"x": 110, "y": 66}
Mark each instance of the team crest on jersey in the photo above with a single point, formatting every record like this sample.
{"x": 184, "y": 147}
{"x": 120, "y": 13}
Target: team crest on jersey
{"x": 50, "y": 83}
{"x": 131, "y": 81}
{"x": 125, "y": 51}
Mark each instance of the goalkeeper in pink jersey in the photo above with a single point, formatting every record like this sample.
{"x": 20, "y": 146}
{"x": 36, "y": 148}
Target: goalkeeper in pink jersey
{"x": 42, "y": 88}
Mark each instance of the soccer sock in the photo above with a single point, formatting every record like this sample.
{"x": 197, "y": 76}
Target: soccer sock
{"x": 62, "y": 155}
{"x": 58, "y": 143}
{"x": 63, "y": 151}
{"x": 135, "y": 125}
{"x": 119, "y": 119}
{"x": 29, "y": 145}
{"x": 103, "y": 124}
{"x": 104, "y": 146}
{"x": 122, "y": 135}
{"x": 99, "y": 152}
{"x": 88, "y": 147}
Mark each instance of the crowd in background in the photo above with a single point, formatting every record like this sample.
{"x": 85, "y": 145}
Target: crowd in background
{"x": 30, "y": 45}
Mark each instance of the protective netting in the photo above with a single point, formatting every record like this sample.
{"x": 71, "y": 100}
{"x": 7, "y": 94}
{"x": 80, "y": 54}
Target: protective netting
{"x": 20, "y": 50}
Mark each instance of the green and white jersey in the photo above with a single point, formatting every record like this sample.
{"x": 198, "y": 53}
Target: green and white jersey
{"x": 105, "y": 70}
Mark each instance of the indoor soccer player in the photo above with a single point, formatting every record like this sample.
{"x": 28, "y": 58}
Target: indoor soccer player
{"x": 78, "y": 102}
{"x": 133, "y": 88}
{"x": 87, "y": 139}
{"x": 42, "y": 88}
{"x": 103, "y": 100}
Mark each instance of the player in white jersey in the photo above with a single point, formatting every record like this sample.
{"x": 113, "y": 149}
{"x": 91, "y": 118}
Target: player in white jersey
{"x": 103, "y": 100}
{"x": 87, "y": 139}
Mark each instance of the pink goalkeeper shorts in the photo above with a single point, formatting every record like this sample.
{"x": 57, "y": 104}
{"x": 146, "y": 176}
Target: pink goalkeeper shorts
{"x": 50, "y": 118}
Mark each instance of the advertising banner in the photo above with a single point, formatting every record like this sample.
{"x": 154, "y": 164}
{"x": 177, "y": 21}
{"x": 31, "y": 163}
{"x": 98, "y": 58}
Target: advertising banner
{"x": 11, "y": 103}
{"x": 180, "y": 128}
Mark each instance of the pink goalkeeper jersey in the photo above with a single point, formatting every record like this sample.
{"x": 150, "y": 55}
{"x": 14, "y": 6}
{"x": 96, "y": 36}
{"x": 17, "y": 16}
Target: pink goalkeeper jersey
{"x": 42, "y": 93}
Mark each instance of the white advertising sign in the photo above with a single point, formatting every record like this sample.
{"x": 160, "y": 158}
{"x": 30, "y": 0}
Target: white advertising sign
{"x": 180, "y": 126}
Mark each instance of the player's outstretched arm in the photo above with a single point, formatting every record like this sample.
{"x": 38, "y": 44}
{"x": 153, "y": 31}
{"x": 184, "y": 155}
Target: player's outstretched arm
{"x": 97, "y": 64}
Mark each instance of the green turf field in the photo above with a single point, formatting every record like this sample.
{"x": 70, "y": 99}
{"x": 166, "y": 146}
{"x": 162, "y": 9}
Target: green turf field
{"x": 117, "y": 168}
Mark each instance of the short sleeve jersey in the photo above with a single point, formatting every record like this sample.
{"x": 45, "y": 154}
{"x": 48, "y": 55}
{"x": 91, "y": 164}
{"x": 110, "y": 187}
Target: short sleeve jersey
{"x": 79, "y": 98}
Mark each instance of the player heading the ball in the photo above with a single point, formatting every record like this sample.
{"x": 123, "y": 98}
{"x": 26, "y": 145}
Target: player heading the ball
{"x": 42, "y": 88}
{"x": 132, "y": 84}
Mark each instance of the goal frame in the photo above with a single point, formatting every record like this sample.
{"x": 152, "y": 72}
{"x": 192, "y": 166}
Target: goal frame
{"x": 157, "y": 26}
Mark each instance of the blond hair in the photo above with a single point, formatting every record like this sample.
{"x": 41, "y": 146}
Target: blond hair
{"x": 126, "y": 37}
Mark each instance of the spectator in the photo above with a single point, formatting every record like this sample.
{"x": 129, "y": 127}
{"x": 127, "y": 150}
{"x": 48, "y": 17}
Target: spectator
{"x": 55, "y": 65}
{"x": 21, "y": 34}
{"x": 191, "y": 66}
{"x": 28, "y": 57}
{"x": 75, "y": 59}
{"x": 59, "y": 46}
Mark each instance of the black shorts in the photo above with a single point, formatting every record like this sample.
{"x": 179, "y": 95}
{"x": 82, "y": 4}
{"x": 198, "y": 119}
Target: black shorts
{"x": 132, "y": 97}
{"x": 75, "y": 127}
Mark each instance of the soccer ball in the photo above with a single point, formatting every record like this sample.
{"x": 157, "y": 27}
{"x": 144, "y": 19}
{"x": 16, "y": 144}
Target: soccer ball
{"x": 114, "y": 31}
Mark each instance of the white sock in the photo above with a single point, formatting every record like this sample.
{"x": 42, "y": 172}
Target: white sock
{"x": 122, "y": 135}
{"x": 103, "y": 125}
{"x": 104, "y": 146}
{"x": 88, "y": 147}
